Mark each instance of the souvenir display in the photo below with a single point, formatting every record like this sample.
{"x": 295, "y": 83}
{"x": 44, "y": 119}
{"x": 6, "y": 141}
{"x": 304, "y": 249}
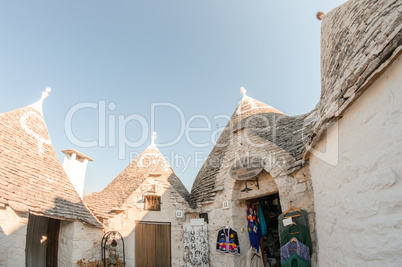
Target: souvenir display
{"x": 196, "y": 249}
{"x": 227, "y": 241}
{"x": 295, "y": 239}
{"x": 254, "y": 258}
{"x": 254, "y": 230}
{"x": 262, "y": 226}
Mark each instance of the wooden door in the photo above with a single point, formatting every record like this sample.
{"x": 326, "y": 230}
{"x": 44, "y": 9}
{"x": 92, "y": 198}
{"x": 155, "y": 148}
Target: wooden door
{"x": 152, "y": 244}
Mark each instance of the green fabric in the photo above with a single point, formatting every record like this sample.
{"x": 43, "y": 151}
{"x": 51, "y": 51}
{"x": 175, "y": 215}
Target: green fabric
{"x": 295, "y": 261}
{"x": 303, "y": 235}
{"x": 302, "y": 219}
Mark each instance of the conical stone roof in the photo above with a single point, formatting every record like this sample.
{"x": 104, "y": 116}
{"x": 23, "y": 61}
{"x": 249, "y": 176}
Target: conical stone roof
{"x": 250, "y": 106}
{"x": 31, "y": 176}
{"x": 204, "y": 187}
{"x": 150, "y": 162}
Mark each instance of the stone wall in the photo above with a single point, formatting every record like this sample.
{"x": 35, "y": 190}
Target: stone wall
{"x": 13, "y": 231}
{"x": 78, "y": 241}
{"x": 358, "y": 201}
{"x": 133, "y": 210}
{"x": 294, "y": 189}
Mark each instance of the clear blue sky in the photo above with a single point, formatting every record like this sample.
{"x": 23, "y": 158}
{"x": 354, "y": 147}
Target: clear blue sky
{"x": 194, "y": 54}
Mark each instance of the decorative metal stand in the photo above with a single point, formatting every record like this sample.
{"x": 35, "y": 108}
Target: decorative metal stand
{"x": 110, "y": 241}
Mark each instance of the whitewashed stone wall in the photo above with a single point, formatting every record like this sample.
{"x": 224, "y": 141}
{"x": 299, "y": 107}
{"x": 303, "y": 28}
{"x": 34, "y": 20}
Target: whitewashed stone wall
{"x": 171, "y": 201}
{"x": 78, "y": 241}
{"x": 293, "y": 188}
{"x": 13, "y": 230}
{"x": 358, "y": 202}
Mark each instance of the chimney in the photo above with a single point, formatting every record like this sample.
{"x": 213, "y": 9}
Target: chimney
{"x": 75, "y": 165}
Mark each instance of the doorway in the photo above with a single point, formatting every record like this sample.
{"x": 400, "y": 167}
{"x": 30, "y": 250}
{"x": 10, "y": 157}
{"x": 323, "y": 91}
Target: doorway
{"x": 152, "y": 244}
{"x": 42, "y": 241}
{"x": 271, "y": 209}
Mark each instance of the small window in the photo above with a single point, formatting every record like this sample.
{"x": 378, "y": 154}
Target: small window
{"x": 204, "y": 216}
{"x": 152, "y": 202}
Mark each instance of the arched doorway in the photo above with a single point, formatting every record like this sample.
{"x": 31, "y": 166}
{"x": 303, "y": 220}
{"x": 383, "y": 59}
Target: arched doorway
{"x": 268, "y": 209}
{"x": 266, "y": 196}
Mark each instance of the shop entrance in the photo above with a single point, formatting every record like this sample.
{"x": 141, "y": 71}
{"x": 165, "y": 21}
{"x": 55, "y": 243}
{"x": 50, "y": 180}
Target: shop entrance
{"x": 271, "y": 209}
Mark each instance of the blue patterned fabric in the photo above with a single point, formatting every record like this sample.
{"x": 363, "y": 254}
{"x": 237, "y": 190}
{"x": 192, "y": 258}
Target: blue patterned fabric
{"x": 254, "y": 230}
{"x": 295, "y": 248}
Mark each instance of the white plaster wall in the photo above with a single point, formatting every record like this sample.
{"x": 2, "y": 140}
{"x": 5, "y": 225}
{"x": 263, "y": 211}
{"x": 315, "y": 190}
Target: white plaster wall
{"x": 78, "y": 241}
{"x": 66, "y": 240}
{"x": 358, "y": 202}
{"x": 13, "y": 230}
{"x": 171, "y": 201}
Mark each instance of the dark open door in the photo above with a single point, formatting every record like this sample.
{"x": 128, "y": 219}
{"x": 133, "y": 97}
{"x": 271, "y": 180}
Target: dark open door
{"x": 152, "y": 244}
{"x": 42, "y": 242}
{"x": 52, "y": 242}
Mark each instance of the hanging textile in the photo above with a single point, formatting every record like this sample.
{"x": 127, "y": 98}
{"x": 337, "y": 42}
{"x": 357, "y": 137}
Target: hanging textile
{"x": 254, "y": 258}
{"x": 253, "y": 228}
{"x": 196, "y": 249}
{"x": 301, "y": 232}
{"x": 295, "y": 247}
{"x": 227, "y": 241}
{"x": 264, "y": 230}
{"x": 299, "y": 217}
{"x": 295, "y": 260}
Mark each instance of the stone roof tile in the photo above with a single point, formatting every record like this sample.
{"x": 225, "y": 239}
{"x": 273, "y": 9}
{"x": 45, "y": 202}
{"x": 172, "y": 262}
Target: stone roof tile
{"x": 359, "y": 40}
{"x": 30, "y": 172}
{"x": 115, "y": 194}
{"x": 252, "y": 115}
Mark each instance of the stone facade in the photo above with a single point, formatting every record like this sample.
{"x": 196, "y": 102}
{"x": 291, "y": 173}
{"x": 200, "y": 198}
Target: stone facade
{"x": 148, "y": 174}
{"x": 133, "y": 211}
{"x": 13, "y": 230}
{"x": 294, "y": 189}
{"x": 78, "y": 241}
{"x": 358, "y": 201}
{"x": 351, "y": 197}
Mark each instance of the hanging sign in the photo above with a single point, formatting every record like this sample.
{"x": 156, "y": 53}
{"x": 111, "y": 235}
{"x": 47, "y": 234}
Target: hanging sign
{"x": 246, "y": 168}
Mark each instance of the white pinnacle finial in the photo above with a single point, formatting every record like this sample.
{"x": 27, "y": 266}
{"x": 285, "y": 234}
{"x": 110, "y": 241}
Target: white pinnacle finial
{"x": 243, "y": 92}
{"x": 38, "y": 104}
{"x": 46, "y": 93}
{"x": 153, "y": 137}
